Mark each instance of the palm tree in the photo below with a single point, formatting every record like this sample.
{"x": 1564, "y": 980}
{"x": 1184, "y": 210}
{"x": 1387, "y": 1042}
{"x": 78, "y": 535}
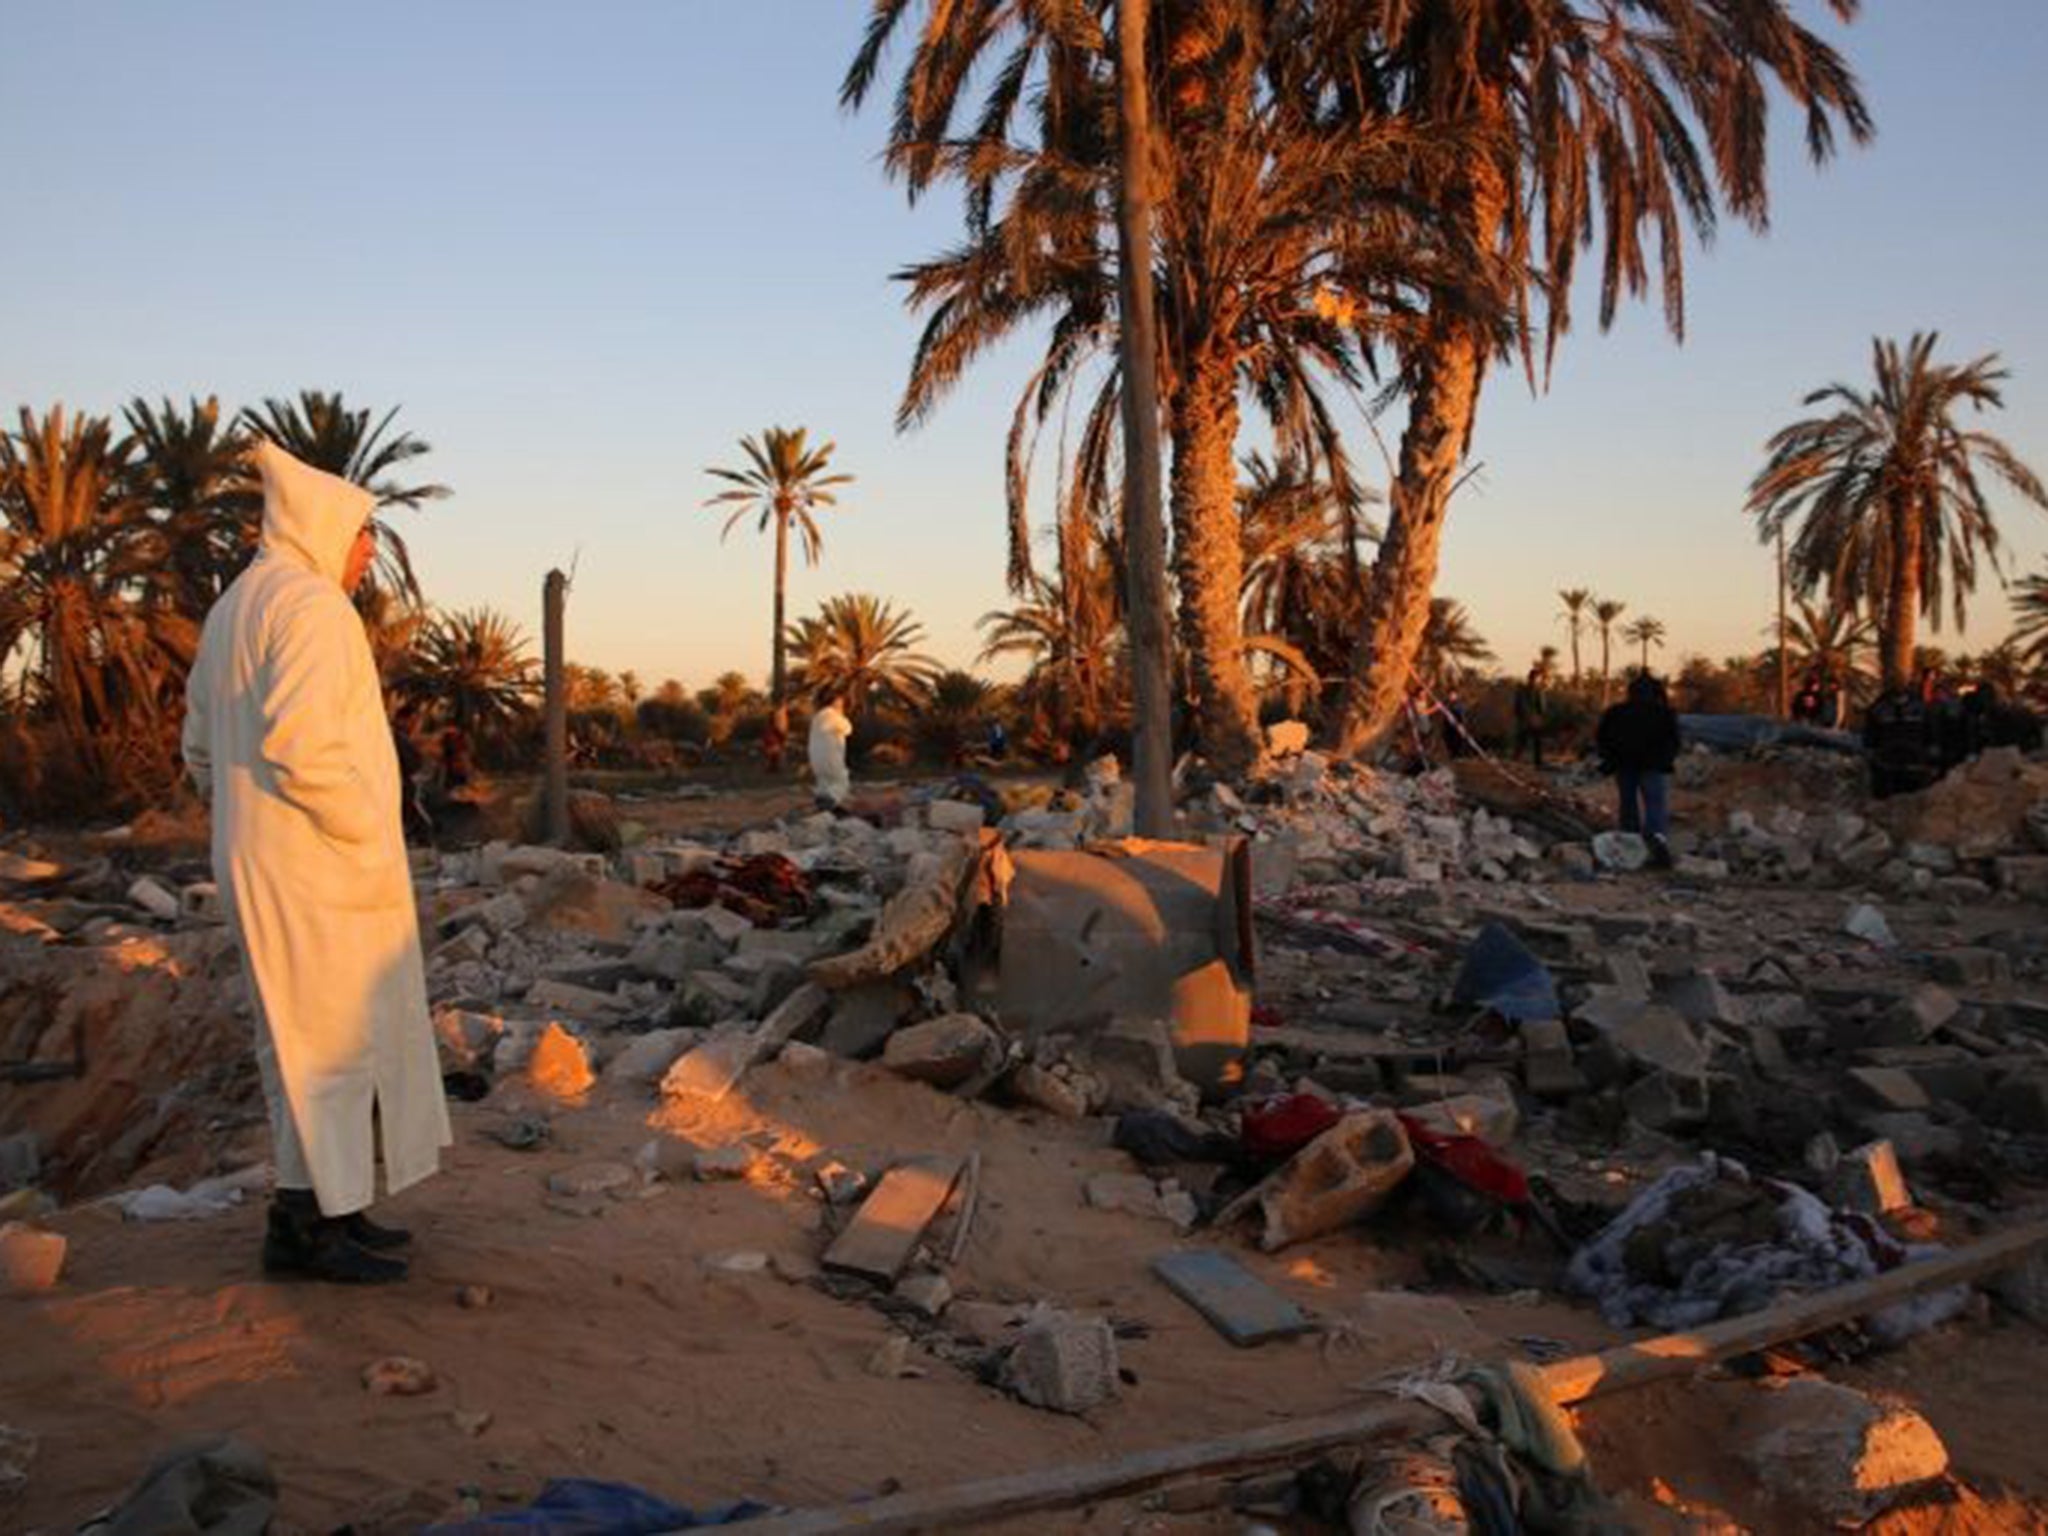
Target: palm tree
{"x": 187, "y": 471}
{"x": 2030, "y": 615}
{"x": 475, "y": 670}
{"x": 1575, "y": 600}
{"x": 1451, "y": 646}
{"x": 785, "y": 482}
{"x": 862, "y": 649}
{"x": 319, "y": 429}
{"x": 1885, "y": 491}
{"x": 1069, "y": 634}
{"x": 729, "y": 693}
{"x": 1834, "y": 639}
{"x": 1617, "y": 121}
{"x": 1605, "y": 611}
{"x": 75, "y": 549}
{"x": 1646, "y": 632}
{"x": 1286, "y": 244}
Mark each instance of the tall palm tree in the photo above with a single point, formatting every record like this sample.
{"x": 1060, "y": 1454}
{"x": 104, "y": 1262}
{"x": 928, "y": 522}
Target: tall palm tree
{"x": 1067, "y": 632}
{"x": 1575, "y": 600}
{"x": 1286, "y": 244}
{"x": 1835, "y": 639}
{"x": 1620, "y": 121}
{"x": 862, "y": 649}
{"x": 785, "y": 483}
{"x": 475, "y": 670}
{"x": 75, "y": 549}
{"x": 1646, "y": 632}
{"x": 187, "y": 471}
{"x": 319, "y": 429}
{"x": 1885, "y": 491}
{"x": 1605, "y": 611}
{"x": 1451, "y": 646}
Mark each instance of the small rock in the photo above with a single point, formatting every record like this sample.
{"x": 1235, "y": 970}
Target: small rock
{"x": 810, "y": 1062}
{"x": 560, "y": 1066}
{"x": 953, "y": 816}
{"x": 926, "y": 1292}
{"x": 1064, "y": 1363}
{"x": 17, "y": 1453}
{"x": 1869, "y": 1179}
{"x": 1667, "y": 1101}
{"x": 945, "y": 1051}
{"x": 891, "y": 1358}
{"x": 587, "y": 1179}
{"x": 156, "y": 898}
{"x": 1066, "y": 1097}
{"x": 1865, "y": 922}
{"x": 1888, "y": 1088}
{"x": 1623, "y": 852}
{"x": 840, "y": 1184}
{"x": 399, "y": 1376}
{"x": 739, "y": 1261}
{"x": 729, "y": 1162}
{"x": 471, "y": 1423}
{"x": 30, "y": 1258}
{"x": 1971, "y": 967}
{"x": 474, "y": 1298}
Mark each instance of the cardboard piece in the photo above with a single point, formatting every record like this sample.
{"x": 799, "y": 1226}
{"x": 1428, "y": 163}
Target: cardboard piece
{"x": 1133, "y": 928}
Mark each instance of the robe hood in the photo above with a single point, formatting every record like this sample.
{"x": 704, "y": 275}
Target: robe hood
{"x": 309, "y": 513}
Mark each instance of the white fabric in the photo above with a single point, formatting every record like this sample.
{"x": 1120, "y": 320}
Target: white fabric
{"x": 829, "y": 730}
{"x": 285, "y": 730}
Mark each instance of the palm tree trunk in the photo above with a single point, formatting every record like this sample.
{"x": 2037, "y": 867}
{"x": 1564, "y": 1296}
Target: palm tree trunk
{"x": 777, "y": 674}
{"x": 1208, "y": 557}
{"x": 1397, "y": 601}
{"x": 1606, "y": 662}
{"x": 1145, "y": 599}
{"x": 1575, "y": 650}
{"x": 1903, "y": 602}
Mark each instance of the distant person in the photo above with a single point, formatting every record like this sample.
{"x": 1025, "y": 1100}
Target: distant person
{"x": 998, "y": 740}
{"x": 1806, "y": 703}
{"x": 1898, "y": 743}
{"x": 1638, "y": 741}
{"x": 775, "y": 740}
{"x": 1457, "y": 729}
{"x": 829, "y": 730}
{"x": 1532, "y": 713}
{"x": 458, "y": 766}
{"x": 285, "y": 733}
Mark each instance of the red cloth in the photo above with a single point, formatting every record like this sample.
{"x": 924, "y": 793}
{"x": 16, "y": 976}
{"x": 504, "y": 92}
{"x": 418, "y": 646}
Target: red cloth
{"x": 1470, "y": 1161}
{"x": 1281, "y": 1126}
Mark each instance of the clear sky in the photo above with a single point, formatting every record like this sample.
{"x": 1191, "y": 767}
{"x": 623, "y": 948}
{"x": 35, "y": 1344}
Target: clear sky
{"x": 586, "y": 247}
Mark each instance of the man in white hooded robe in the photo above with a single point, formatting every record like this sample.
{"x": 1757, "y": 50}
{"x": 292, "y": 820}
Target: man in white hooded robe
{"x": 285, "y": 732}
{"x": 830, "y": 781}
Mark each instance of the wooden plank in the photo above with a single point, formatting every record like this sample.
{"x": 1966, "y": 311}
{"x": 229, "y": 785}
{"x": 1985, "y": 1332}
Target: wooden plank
{"x": 892, "y": 1221}
{"x": 1240, "y": 1306}
{"x": 1675, "y": 1354}
{"x": 970, "y": 1198}
{"x": 968, "y": 1506}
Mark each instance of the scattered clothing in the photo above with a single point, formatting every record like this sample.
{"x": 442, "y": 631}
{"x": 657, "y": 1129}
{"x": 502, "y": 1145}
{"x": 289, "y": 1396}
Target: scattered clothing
{"x": 206, "y": 1199}
{"x": 1502, "y": 975}
{"x": 217, "y": 1488}
{"x": 584, "y": 1506}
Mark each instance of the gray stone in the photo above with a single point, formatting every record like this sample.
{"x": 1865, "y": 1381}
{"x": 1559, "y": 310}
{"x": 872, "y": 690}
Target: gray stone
{"x": 1866, "y": 855}
{"x": 1547, "y": 1065}
{"x": 728, "y": 1162}
{"x": 500, "y": 913}
{"x": 673, "y": 956}
{"x": 1648, "y": 1035}
{"x": 1700, "y": 998}
{"x": 1064, "y": 1095}
{"x": 1063, "y": 1363}
{"x": 1913, "y": 1136}
{"x": 838, "y": 1183}
{"x": 21, "y": 1160}
{"x": 587, "y": 1179}
{"x": 801, "y": 1059}
{"x": 1623, "y": 852}
{"x": 1868, "y": 1179}
{"x": 2020, "y": 1103}
{"x": 1934, "y": 857}
{"x": 953, "y": 816}
{"x": 945, "y": 1052}
{"x": 1627, "y": 973}
{"x": 1667, "y": 1101}
{"x": 156, "y": 898}
{"x": 1971, "y": 967}
{"x": 1133, "y": 1060}
{"x": 1914, "y": 1017}
{"x": 1888, "y": 1088}
{"x": 926, "y": 1292}
{"x": 647, "y": 1058}
{"x": 864, "y": 1017}
{"x": 1836, "y": 1454}
{"x": 2025, "y": 877}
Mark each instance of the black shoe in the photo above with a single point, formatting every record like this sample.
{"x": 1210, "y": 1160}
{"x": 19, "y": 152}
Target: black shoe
{"x": 1660, "y": 853}
{"x": 320, "y": 1248}
{"x": 368, "y": 1234}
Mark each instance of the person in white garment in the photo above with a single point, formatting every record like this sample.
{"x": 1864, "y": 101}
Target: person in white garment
{"x": 829, "y": 730}
{"x": 285, "y": 733}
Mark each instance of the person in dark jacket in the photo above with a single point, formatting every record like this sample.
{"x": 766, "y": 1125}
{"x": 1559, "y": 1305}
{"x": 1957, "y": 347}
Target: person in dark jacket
{"x": 1532, "y": 713}
{"x": 1638, "y": 740}
{"x": 1899, "y": 744}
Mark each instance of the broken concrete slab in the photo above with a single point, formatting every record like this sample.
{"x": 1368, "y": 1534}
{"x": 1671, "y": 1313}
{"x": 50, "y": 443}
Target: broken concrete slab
{"x": 1137, "y": 1195}
{"x": 647, "y": 1058}
{"x": 1242, "y": 1308}
{"x": 711, "y": 1068}
{"x": 863, "y": 1017}
{"x": 1837, "y": 1454}
{"x": 1868, "y": 1179}
{"x": 155, "y": 898}
{"x": 1648, "y": 1035}
{"x": 1668, "y": 1101}
{"x": 892, "y": 1221}
{"x": 1888, "y": 1088}
{"x": 559, "y": 1066}
{"x": 944, "y": 1052}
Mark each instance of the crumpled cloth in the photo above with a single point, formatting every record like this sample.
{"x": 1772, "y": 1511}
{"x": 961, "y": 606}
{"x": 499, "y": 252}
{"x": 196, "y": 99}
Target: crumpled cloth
{"x": 207, "y": 1198}
{"x": 218, "y": 1487}
{"x": 584, "y": 1506}
{"x": 1811, "y": 1247}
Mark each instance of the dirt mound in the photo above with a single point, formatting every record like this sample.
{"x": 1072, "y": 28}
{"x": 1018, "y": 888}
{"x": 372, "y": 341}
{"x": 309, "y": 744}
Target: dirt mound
{"x": 1980, "y": 809}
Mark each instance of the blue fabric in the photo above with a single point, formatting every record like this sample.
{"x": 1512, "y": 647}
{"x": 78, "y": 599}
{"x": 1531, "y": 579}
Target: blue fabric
{"x": 1500, "y": 973}
{"x": 583, "y": 1506}
{"x": 1743, "y": 733}
{"x": 1645, "y": 801}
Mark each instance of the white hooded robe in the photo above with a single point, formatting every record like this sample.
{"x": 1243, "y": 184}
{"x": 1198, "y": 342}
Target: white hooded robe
{"x": 285, "y": 731}
{"x": 829, "y": 730}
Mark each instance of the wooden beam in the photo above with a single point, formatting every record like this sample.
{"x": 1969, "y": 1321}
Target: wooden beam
{"x": 1678, "y": 1354}
{"x": 967, "y": 1506}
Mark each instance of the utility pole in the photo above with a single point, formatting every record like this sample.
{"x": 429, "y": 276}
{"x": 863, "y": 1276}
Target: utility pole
{"x": 1784, "y": 658}
{"x": 556, "y": 700}
{"x": 1145, "y": 595}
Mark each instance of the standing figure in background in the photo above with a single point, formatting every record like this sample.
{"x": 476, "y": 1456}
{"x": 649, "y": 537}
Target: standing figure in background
{"x": 1532, "y": 713}
{"x": 829, "y": 731}
{"x": 1638, "y": 740}
{"x": 285, "y": 734}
